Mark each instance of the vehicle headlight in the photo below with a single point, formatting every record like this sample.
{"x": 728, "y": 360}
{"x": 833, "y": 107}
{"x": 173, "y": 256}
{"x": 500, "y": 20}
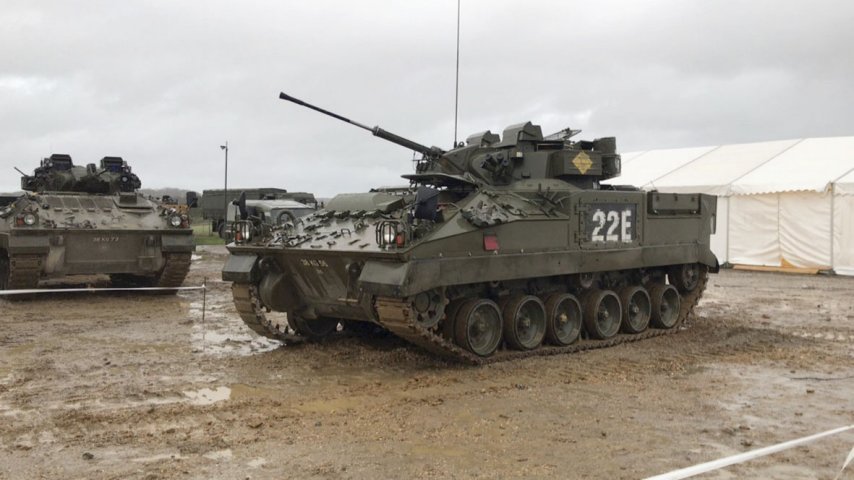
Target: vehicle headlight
{"x": 175, "y": 221}
{"x": 29, "y": 219}
{"x": 244, "y": 232}
{"x": 388, "y": 233}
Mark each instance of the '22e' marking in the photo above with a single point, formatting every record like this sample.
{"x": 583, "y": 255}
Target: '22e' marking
{"x": 612, "y": 226}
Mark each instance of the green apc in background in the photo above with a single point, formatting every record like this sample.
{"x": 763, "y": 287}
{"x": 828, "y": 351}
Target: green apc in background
{"x": 504, "y": 246}
{"x": 75, "y": 220}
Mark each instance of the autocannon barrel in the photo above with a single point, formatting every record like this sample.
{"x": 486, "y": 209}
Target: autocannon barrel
{"x": 377, "y": 131}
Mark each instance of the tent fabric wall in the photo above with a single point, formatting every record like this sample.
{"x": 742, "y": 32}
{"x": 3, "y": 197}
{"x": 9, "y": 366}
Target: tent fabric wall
{"x": 843, "y": 233}
{"x": 753, "y": 234}
{"x": 805, "y": 225}
{"x": 789, "y": 229}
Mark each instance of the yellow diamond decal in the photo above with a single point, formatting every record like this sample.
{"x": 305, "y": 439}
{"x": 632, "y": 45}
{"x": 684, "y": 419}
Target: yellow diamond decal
{"x": 582, "y": 162}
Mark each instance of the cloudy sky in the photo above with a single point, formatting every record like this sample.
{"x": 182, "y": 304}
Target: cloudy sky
{"x": 165, "y": 83}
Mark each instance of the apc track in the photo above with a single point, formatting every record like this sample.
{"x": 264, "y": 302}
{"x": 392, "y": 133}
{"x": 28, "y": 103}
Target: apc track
{"x": 396, "y": 315}
{"x": 23, "y": 272}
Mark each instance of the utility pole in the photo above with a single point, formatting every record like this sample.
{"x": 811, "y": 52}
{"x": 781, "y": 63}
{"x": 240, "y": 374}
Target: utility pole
{"x": 225, "y": 187}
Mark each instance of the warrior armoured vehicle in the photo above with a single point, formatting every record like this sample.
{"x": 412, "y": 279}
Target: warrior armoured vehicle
{"x": 510, "y": 246}
{"x": 90, "y": 220}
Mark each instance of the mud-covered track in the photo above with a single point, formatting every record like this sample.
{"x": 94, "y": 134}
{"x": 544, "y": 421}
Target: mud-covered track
{"x": 175, "y": 271}
{"x": 396, "y": 316}
{"x": 24, "y": 271}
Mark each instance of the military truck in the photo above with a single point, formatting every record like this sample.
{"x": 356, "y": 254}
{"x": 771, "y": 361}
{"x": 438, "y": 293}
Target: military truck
{"x": 74, "y": 220}
{"x": 273, "y": 213}
{"x": 213, "y": 203}
{"x": 510, "y": 246}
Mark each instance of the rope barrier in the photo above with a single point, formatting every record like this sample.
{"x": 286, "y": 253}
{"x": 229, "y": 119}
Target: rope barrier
{"x": 753, "y": 454}
{"x": 93, "y": 289}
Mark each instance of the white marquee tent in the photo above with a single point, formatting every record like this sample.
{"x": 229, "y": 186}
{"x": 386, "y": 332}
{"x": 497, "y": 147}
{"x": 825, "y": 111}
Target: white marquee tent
{"x": 786, "y": 203}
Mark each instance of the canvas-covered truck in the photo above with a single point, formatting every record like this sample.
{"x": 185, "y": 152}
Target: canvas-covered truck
{"x": 213, "y": 203}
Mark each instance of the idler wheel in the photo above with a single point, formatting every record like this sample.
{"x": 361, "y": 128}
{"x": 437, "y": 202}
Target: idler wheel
{"x": 685, "y": 277}
{"x": 602, "y": 313}
{"x": 316, "y": 329}
{"x": 665, "y": 305}
{"x": 563, "y": 319}
{"x": 429, "y": 308}
{"x": 477, "y": 326}
{"x": 524, "y": 322}
{"x": 637, "y": 309}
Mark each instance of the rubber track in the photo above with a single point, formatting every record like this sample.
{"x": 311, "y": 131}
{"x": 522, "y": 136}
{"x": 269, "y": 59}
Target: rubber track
{"x": 395, "y": 314}
{"x": 175, "y": 271}
{"x": 24, "y": 271}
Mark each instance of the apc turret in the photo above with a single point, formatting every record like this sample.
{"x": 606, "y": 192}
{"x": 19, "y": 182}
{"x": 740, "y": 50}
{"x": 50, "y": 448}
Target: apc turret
{"x": 58, "y": 173}
{"x": 521, "y": 153}
{"x": 502, "y": 247}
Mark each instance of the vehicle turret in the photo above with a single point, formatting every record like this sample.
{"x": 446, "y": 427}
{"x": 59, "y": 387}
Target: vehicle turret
{"x": 520, "y": 153}
{"x": 58, "y": 173}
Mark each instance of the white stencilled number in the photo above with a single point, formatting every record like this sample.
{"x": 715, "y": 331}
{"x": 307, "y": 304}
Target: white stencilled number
{"x": 614, "y": 218}
{"x": 598, "y": 217}
{"x": 619, "y": 226}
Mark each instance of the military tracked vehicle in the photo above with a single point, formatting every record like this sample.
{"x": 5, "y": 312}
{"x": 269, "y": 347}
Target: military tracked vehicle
{"x": 509, "y": 246}
{"x": 90, "y": 220}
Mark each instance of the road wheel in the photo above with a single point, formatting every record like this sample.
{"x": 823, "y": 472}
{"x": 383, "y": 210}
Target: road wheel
{"x": 450, "y": 320}
{"x": 315, "y": 329}
{"x": 637, "y": 309}
{"x": 524, "y": 322}
{"x": 478, "y": 327}
{"x": 602, "y": 313}
{"x": 563, "y": 319}
{"x": 665, "y": 306}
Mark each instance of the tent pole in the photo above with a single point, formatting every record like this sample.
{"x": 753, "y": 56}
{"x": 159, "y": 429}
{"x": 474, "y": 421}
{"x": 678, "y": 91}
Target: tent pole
{"x": 728, "y": 216}
{"x": 832, "y": 221}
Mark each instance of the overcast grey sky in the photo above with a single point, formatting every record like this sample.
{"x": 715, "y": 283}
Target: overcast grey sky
{"x": 164, "y": 83}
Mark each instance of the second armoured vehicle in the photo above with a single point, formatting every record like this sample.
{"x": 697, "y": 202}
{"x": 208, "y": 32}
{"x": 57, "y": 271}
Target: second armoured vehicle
{"x": 510, "y": 246}
{"x": 90, "y": 220}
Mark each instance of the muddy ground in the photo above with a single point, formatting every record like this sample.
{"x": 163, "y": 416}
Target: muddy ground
{"x": 138, "y": 386}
